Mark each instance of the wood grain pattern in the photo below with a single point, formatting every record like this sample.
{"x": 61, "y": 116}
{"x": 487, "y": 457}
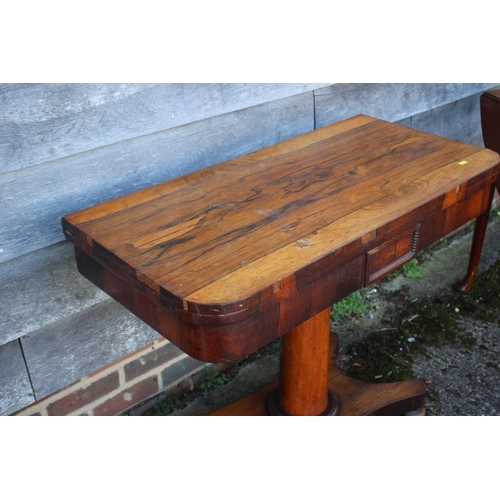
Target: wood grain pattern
{"x": 394, "y": 102}
{"x": 304, "y": 359}
{"x": 34, "y": 199}
{"x": 256, "y": 235}
{"x": 198, "y": 239}
{"x": 42, "y": 289}
{"x": 15, "y": 387}
{"x": 46, "y": 122}
{"x": 449, "y": 120}
{"x": 65, "y": 351}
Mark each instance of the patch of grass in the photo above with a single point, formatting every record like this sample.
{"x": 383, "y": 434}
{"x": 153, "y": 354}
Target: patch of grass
{"x": 411, "y": 270}
{"x": 213, "y": 379}
{"x": 165, "y": 407}
{"x": 351, "y": 305}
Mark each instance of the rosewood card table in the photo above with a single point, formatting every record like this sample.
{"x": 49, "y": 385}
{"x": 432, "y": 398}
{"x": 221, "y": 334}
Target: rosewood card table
{"x": 224, "y": 260}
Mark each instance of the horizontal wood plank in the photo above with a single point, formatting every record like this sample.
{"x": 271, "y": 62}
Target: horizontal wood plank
{"x": 35, "y": 199}
{"x": 448, "y": 121}
{"x": 47, "y": 122}
{"x": 64, "y": 352}
{"x": 41, "y": 288}
{"x": 15, "y": 387}
{"x": 388, "y": 101}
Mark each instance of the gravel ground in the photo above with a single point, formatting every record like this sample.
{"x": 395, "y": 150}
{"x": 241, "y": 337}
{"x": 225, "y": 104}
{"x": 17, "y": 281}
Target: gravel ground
{"x": 464, "y": 381}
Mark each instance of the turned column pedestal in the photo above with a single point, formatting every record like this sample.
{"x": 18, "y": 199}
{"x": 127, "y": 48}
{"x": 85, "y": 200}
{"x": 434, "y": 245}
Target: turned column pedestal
{"x": 303, "y": 381}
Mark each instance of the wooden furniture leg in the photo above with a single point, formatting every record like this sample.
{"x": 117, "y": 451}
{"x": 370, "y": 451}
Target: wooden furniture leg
{"x": 465, "y": 285}
{"x": 303, "y": 381}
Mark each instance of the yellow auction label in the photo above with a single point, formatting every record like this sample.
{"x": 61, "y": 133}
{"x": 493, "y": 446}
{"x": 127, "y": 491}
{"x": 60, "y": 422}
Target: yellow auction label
{"x": 463, "y": 162}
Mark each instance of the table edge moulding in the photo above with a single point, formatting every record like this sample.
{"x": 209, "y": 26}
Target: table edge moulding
{"x": 224, "y": 260}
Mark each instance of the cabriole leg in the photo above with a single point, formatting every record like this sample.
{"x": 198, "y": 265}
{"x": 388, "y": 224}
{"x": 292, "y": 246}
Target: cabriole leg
{"x": 477, "y": 245}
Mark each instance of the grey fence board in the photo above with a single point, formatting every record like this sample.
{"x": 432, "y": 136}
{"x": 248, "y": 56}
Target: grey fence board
{"x": 45, "y": 122}
{"x": 448, "y": 121}
{"x": 41, "y": 288}
{"x": 387, "y": 101}
{"x": 33, "y": 200}
{"x": 15, "y": 387}
{"x": 70, "y": 349}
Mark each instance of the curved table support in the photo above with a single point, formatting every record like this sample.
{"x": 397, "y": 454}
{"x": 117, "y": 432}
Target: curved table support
{"x": 480, "y": 226}
{"x": 490, "y": 125}
{"x": 303, "y": 380}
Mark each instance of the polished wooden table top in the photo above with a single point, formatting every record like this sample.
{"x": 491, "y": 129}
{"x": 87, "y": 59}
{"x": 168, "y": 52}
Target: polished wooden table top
{"x": 226, "y": 245}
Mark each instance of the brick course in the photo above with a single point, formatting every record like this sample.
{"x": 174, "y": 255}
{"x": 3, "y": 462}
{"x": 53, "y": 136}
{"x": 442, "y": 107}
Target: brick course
{"x": 176, "y": 371}
{"x": 84, "y": 396}
{"x": 128, "y": 397}
{"x": 149, "y": 361}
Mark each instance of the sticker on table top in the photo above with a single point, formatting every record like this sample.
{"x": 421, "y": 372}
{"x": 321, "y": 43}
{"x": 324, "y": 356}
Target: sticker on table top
{"x": 463, "y": 162}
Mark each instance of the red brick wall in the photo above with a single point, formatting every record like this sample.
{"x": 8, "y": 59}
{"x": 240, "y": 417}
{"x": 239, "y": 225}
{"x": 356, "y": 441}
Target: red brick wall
{"x": 121, "y": 385}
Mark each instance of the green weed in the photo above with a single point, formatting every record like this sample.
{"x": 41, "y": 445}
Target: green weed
{"x": 164, "y": 407}
{"x": 411, "y": 270}
{"x": 213, "y": 379}
{"x": 351, "y": 305}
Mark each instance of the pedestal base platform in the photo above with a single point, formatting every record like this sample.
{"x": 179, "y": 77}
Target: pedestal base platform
{"x": 355, "y": 397}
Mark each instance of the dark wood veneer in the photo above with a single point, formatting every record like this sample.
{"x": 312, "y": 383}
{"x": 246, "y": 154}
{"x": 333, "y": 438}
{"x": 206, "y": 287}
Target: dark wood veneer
{"x": 224, "y": 260}
{"x": 490, "y": 121}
